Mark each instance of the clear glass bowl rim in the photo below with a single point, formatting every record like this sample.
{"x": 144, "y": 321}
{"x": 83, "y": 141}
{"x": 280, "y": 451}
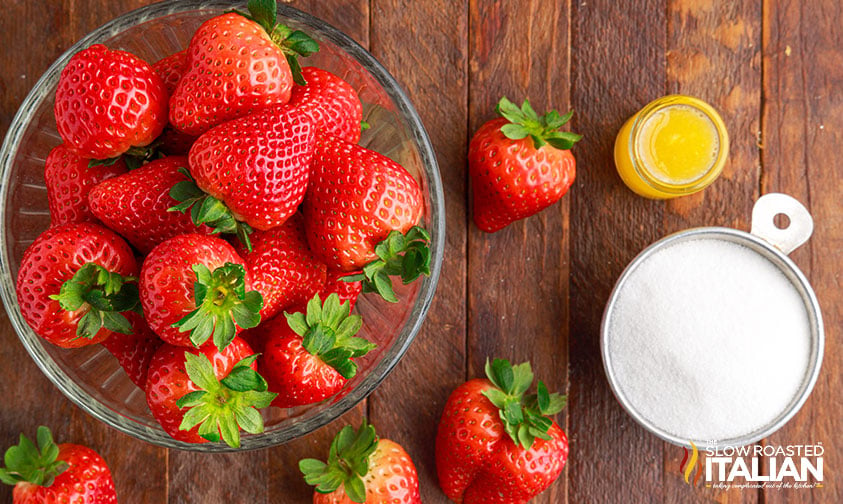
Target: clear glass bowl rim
{"x": 34, "y": 344}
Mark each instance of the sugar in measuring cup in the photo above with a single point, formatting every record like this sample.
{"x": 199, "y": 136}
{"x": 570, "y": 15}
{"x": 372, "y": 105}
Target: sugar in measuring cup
{"x": 713, "y": 335}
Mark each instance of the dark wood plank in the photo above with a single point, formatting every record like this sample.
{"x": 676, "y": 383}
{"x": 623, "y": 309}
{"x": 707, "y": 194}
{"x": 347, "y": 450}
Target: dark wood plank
{"x": 714, "y": 54}
{"x": 423, "y": 44}
{"x": 518, "y": 277}
{"x": 802, "y": 131}
{"x": 33, "y": 37}
{"x": 618, "y": 65}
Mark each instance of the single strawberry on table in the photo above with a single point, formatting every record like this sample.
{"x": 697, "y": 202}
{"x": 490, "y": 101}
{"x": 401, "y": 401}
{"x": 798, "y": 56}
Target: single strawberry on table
{"x": 237, "y": 64}
{"x": 137, "y": 204}
{"x": 308, "y": 357}
{"x": 69, "y": 178}
{"x": 206, "y": 394}
{"x": 282, "y": 268}
{"x": 258, "y": 166}
{"x": 109, "y": 102}
{"x": 74, "y": 283}
{"x": 497, "y": 445}
{"x": 519, "y": 164}
{"x": 195, "y": 288}
{"x": 363, "y": 468}
{"x": 49, "y": 473}
{"x": 361, "y": 213}
{"x": 331, "y": 104}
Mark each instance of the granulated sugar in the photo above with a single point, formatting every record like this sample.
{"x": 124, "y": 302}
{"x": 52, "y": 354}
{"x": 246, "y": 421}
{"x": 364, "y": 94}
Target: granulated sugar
{"x": 708, "y": 340}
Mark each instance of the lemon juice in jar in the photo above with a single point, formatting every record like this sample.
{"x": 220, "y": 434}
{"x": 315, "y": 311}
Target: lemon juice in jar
{"x": 674, "y": 146}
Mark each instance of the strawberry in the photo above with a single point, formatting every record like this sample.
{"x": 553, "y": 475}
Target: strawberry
{"x": 331, "y": 104}
{"x": 363, "y": 468}
{"x": 237, "y": 64}
{"x": 50, "y": 473}
{"x": 361, "y": 211}
{"x": 497, "y": 445}
{"x": 108, "y": 102}
{"x": 335, "y": 283}
{"x": 282, "y": 268}
{"x": 194, "y": 286}
{"x": 134, "y": 351}
{"x": 171, "y": 69}
{"x": 69, "y": 178}
{"x": 74, "y": 281}
{"x": 308, "y": 356}
{"x": 519, "y": 164}
{"x": 206, "y": 394}
{"x": 257, "y": 165}
{"x": 136, "y": 204}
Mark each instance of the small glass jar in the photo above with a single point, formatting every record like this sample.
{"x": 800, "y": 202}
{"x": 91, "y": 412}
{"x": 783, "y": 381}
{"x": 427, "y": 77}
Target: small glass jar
{"x": 686, "y": 132}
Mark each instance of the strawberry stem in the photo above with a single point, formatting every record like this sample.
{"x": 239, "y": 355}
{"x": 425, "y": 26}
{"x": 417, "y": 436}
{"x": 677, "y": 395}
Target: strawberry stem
{"x": 524, "y": 122}
{"x": 27, "y": 462}
{"x": 348, "y": 463}
{"x": 105, "y": 295}
{"x": 221, "y": 302}
{"x": 222, "y": 407}
{"x": 208, "y": 210}
{"x": 328, "y": 332}
{"x": 407, "y": 255}
{"x": 525, "y": 417}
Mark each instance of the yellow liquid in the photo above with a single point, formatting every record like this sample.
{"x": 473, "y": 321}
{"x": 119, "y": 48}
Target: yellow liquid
{"x": 678, "y": 144}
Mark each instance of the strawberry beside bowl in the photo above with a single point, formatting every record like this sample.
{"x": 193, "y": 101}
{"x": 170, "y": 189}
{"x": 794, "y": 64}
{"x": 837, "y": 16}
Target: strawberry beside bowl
{"x": 90, "y": 376}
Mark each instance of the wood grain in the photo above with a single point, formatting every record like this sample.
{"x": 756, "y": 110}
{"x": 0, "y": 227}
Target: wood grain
{"x": 518, "y": 277}
{"x": 618, "y": 65}
{"x": 139, "y": 469}
{"x": 802, "y": 131}
{"x": 714, "y": 53}
{"x": 423, "y": 44}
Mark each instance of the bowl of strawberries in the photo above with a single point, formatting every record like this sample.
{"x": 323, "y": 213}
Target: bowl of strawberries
{"x": 222, "y": 228}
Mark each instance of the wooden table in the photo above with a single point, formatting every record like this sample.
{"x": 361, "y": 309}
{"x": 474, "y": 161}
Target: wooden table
{"x": 537, "y": 289}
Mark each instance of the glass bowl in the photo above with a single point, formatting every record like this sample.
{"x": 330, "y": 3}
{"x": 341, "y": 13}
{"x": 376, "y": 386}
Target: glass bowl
{"x": 90, "y": 376}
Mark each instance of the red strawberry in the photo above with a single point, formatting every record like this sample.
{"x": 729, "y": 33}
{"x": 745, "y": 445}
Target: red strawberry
{"x": 73, "y": 283}
{"x": 282, "y": 267}
{"x": 330, "y": 102}
{"x": 519, "y": 164}
{"x": 50, "y": 473}
{"x": 194, "y": 286}
{"x": 108, "y": 102}
{"x": 204, "y": 394}
{"x": 496, "y": 445}
{"x": 347, "y": 291}
{"x": 134, "y": 351}
{"x": 237, "y": 64}
{"x": 257, "y": 165}
{"x": 363, "y": 468}
{"x": 308, "y": 358}
{"x": 69, "y": 178}
{"x": 361, "y": 209}
{"x": 171, "y": 69}
{"x": 136, "y": 204}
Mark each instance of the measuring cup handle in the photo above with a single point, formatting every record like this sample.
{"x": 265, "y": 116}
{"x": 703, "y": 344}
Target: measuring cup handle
{"x": 795, "y": 234}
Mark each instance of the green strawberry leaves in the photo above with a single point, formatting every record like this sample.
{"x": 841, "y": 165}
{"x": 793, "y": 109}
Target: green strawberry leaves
{"x": 348, "y": 463}
{"x": 221, "y": 408}
{"x": 221, "y": 302}
{"x": 328, "y": 331}
{"x": 525, "y": 417}
{"x": 405, "y": 255}
{"x": 38, "y": 465}
{"x": 293, "y": 43}
{"x": 206, "y": 209}
{"x": 105, "y": 294}
{"x": 524, "y": 122}
{"x": 133, "y": 158}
